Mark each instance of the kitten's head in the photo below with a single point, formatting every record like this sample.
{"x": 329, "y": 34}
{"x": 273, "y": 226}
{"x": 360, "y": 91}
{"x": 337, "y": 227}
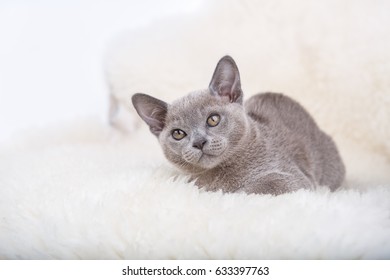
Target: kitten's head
{"x": 203, "y": 129}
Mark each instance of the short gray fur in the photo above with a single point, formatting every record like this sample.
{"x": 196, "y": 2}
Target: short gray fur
{"x": 269, "y": 145}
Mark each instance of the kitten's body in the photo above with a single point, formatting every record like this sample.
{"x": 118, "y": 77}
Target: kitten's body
{"x": 269, "y": 145}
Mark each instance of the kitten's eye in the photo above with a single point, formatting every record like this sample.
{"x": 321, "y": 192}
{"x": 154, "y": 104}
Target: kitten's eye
{"x": 213, "y": 120}
{"x": 178, "y": 134}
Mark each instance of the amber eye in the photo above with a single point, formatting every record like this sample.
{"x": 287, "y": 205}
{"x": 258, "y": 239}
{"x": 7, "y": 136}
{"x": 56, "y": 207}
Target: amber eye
{"x": 178, "y": 134}
{"x": 213, "y": 120}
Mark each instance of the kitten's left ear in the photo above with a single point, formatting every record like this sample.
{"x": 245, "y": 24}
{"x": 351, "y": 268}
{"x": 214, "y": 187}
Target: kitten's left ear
{"x": 226, "y": 80}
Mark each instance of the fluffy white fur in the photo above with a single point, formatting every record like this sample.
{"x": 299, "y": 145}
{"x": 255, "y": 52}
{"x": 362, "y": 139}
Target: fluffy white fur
{"x": 87, "y": 192}
{"x": 82, "y": 190}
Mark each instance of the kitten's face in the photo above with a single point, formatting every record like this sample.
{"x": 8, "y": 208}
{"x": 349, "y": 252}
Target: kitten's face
{"x": 202, "y": 131}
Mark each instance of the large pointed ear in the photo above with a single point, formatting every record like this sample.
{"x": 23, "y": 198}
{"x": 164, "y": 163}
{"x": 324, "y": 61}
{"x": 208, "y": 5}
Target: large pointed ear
{"x": 153, "y": 111}
{"x": 226, "y": 80}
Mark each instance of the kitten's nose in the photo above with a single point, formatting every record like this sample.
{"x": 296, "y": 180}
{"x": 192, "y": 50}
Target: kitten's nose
{"x": 199, "y": 144}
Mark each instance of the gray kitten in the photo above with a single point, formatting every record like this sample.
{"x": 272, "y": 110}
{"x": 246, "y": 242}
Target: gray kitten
{"x": 269, "y": 145}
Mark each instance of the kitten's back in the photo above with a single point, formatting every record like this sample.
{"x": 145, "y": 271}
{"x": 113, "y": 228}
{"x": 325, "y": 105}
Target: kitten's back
{"x": 292, "y": 128}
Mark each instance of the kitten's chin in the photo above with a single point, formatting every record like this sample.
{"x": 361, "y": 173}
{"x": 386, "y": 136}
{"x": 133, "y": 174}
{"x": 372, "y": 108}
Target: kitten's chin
{"x": 207, "y": 161}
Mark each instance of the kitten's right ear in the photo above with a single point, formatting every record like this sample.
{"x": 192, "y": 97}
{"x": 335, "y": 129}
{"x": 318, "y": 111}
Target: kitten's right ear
{"x": 153, "y": 111}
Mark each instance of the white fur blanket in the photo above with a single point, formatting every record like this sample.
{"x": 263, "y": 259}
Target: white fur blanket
{"x": 85, "y": 190}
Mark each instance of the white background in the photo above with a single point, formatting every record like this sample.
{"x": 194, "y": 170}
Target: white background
{"x": 51, "y": 56}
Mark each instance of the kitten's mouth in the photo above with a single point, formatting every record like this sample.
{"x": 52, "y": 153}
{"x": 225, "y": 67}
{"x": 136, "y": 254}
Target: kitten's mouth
{"x": 202, "y": 155}
{"x": 207, "y": 156}
{"x": 202, "y": 161}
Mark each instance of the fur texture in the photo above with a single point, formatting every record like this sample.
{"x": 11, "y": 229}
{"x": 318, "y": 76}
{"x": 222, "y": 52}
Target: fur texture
{"x": 79, "y": 190}
{"x": 271, "y": 145}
